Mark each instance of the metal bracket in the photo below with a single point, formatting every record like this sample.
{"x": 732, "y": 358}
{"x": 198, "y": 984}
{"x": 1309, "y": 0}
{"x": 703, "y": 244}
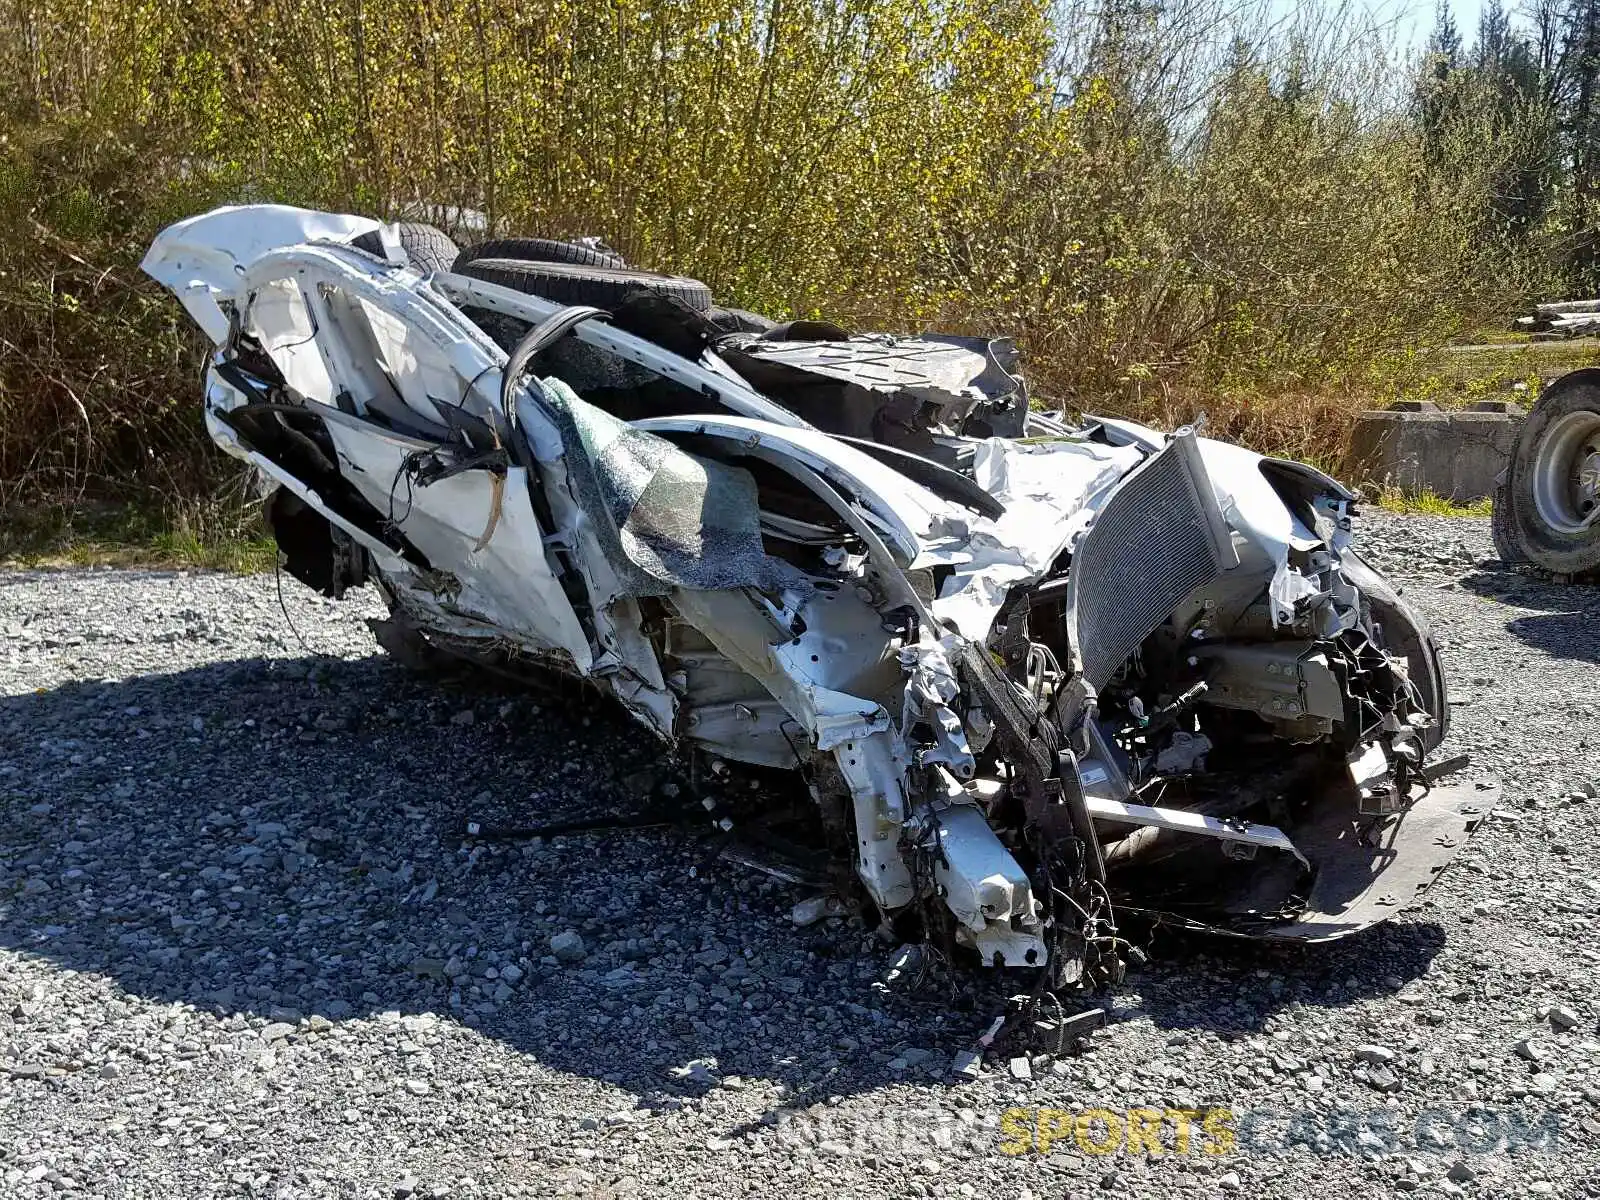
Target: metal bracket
{"x": 1182, "y": 821}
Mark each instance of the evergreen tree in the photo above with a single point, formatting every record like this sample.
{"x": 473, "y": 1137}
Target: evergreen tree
{"x": 1441, "y": 61}
{"x": 1516, "y": 105}
{"x": 1581, "y": 126}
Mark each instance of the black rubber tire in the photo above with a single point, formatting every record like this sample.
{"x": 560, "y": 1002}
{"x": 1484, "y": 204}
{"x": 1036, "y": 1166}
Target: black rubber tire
{"x": 428, "y": 249}
{"x": 1577, "y": 555}
{"x": 1406, "y": 635}
{"x": 739, "y": 320}
{"x": 539, "y": 250}
{"x": 1505, "y": 543}
{"x": 603, "y": 287}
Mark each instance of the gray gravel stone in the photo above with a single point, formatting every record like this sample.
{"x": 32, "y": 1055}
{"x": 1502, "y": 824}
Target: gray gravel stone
{"x": 568, "y": 946}
{"x": 1563, "y": 1017}
{"x": 1531, "y": 1050}
{"x": 169, "y": 893}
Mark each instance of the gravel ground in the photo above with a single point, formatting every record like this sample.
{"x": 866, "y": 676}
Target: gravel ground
{"x": 245, "y": 951}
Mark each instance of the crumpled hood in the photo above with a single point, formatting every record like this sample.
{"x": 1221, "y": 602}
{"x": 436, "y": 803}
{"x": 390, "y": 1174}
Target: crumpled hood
{"x": 1051, "y": 489}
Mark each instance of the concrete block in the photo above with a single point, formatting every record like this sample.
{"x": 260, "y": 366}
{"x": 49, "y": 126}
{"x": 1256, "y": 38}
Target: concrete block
{"x": 1509, "y": 407}
{"x": 1457, "y": 455}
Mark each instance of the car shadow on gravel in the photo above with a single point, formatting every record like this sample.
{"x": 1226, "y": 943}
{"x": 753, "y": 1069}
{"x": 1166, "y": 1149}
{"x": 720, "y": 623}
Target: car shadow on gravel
{"x": 1569, "y": 624}
{"x": 1232, "y": 988}
{"x": 1527, "y": 589}
{"x": 281, "y": 839}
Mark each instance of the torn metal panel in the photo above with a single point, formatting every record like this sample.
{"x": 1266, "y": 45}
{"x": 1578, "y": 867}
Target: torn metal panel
{"x": 855, "y": 730}
{"x": 447, "y": 520}
{"x": 1254, "y": 508}
{"x": 1049, "y": 490}
{"x": 457, "y": 368}
{"x": 747, "y": 633}
{"x": 200, "y": 259}
{"x": 930, "y": 691}
{"x": 225, "y": 437}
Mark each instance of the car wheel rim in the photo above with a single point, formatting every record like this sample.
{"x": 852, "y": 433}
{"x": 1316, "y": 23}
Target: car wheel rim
{"x": 1566, "y": 476}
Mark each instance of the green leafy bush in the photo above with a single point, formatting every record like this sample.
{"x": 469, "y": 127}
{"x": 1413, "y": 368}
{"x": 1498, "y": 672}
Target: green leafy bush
{"x": 1174, "y": 210}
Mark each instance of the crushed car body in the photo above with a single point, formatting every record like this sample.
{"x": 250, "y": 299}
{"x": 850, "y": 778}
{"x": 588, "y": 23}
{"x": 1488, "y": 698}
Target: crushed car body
{"x": 1032, "y": 673}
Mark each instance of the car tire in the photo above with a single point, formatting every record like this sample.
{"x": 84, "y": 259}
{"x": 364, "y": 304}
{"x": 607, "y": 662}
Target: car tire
{"x": 428, "y": 249}
{"x": 603, "y": 287}
{"x": 1553, "y": 483}
{"x": 504, "y": 330}
{"x": 545, "y": 250}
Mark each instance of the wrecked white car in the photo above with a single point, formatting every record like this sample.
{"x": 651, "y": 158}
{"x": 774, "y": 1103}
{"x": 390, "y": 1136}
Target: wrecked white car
{"x": 1033, "y": 674}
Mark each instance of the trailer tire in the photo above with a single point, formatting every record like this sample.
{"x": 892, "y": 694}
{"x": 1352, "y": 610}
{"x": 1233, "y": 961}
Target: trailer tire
{"x": 1505, "y": 544}
{"x": 1552, "y": 486}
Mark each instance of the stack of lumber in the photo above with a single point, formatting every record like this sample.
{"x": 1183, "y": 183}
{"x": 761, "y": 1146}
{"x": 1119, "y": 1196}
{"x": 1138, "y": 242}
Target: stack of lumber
{"x": 1562, "y": 319}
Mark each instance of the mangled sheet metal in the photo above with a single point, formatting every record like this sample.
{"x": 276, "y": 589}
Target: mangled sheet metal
{"x": 898, "y": 391}
{"x": 1026, "y": 673}
{"x": 942, "y": 370}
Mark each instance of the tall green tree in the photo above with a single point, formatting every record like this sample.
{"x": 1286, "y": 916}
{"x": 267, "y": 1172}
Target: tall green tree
{"x": 1435, "y": 91}
{"x": 1580, "y": 123}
